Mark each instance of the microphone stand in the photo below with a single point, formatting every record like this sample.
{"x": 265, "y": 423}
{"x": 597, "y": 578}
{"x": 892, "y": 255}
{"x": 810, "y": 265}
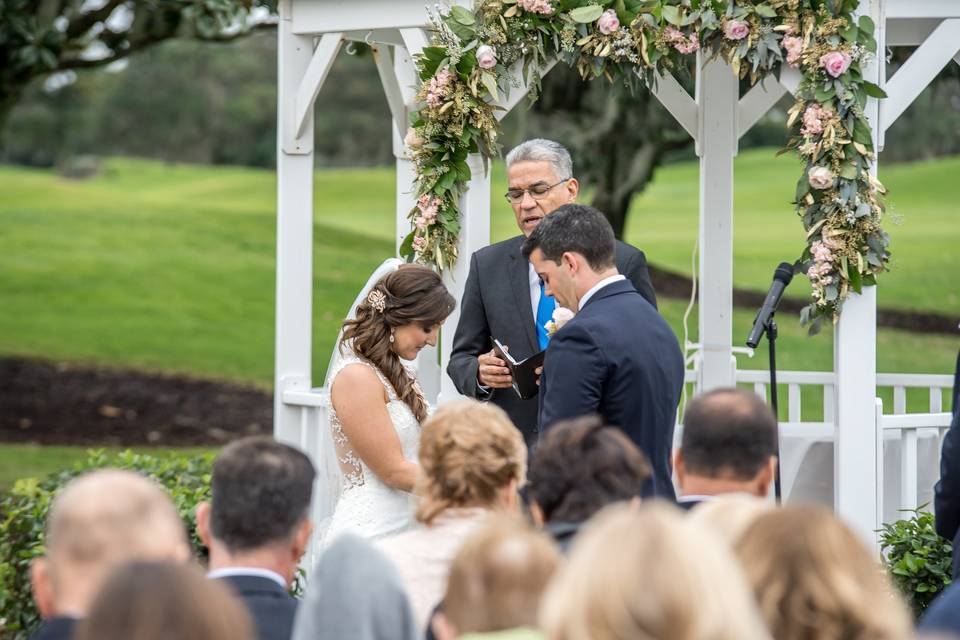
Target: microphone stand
{"x": 770, "y": 329}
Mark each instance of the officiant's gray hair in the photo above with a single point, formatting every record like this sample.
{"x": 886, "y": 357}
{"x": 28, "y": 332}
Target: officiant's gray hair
{"x": 540, "y": 150}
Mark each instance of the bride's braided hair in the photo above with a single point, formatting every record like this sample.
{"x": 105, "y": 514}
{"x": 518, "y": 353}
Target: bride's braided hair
{"x": 412, "y": 294}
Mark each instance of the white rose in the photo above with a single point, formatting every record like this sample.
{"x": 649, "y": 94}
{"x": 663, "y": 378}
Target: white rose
{"x": 821, "y": 178}
{"x": 608, "y": 22}
{"x": 561, "y": 316}
{"x": 486, "y": 56}
{"x": 412, "y": 140}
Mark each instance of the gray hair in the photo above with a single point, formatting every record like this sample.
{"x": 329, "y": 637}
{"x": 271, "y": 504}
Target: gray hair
{"x": 538, "y": 150}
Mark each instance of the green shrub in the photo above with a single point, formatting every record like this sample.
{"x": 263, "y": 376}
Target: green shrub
{"x": 23, "y": 516}
{"x": 918, "y": 559}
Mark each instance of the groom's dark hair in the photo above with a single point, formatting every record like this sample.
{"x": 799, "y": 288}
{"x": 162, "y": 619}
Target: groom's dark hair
{"x": 260, "y": 493}
{"x": 577, "y": 228}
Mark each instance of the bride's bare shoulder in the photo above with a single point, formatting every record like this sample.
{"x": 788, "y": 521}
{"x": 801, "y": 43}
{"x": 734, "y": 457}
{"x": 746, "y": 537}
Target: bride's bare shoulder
{"x": 357, "y": 380}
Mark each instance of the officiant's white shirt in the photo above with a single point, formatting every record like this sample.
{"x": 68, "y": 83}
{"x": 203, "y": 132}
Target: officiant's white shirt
{"x": 598, "y": 286}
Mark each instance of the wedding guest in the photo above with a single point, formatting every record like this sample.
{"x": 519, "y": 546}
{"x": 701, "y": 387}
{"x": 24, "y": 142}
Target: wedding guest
{"x": 617, "y": 357}
{"x": 729, "y": 445}
{"x": 355, "y": 592}
{"x": 579, "y": 467}
{"x": 257, "y": 527}
{"x": 815, "y": 579}
{"x": 99, "y": 521}
{"x": 161, "y": 601}
{"x": 648, "y": 572}
{"x": 496, "y": 583}
{"x": 472, "y": 461}
{"x": 504, "y": 298}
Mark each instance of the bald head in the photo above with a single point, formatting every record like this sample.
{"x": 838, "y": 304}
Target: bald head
{"x": 729, "y": 435}
{"x": 100, "y": 520}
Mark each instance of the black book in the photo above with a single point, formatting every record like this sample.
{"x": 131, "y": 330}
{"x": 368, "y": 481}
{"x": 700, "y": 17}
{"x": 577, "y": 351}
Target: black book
{"x": 523, "y": 372}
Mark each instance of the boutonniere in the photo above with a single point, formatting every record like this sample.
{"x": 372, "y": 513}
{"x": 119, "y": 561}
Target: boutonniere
{"x": 561, "y": 316}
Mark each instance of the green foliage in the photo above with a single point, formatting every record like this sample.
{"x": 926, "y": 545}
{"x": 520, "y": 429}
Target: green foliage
{"x": 918, "y": 559}
{"x": 23, "y": 516}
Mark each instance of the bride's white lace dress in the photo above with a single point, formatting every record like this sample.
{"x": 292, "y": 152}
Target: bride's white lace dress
{"x": 366, "y": 506}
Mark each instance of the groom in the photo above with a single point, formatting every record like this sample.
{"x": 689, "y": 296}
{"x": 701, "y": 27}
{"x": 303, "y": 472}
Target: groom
{"x": 617, "y": 356}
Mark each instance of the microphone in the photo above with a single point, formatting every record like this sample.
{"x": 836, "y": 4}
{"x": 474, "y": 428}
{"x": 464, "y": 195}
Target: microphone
{"x": 781, "y": 278}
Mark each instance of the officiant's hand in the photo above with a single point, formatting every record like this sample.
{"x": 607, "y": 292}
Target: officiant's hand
{"x": 492, "y": 371}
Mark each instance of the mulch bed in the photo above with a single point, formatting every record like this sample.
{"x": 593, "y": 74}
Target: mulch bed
{"x": 50, "y": 403}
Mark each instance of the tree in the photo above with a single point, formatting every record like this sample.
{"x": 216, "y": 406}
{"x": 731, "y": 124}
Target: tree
{"x": 41, "y": 37}
{"x": 619, "y": 137}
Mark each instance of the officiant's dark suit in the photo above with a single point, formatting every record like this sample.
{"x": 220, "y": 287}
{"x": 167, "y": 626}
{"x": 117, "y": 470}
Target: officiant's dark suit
{"x": 617, "y": 357}
{"x": 497, "y": 295}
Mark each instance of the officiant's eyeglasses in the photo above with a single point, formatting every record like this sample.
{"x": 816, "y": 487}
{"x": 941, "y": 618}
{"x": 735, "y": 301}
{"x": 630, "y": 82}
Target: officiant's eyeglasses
{"x": 536, "y": 192}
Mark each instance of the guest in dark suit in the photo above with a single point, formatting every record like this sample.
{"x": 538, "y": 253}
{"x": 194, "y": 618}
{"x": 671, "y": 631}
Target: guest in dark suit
{"x": 581, "y": 466}
{"x": 257, "y": 527}
{"x": 617, "y": 357}
{"x": 100, "y": 521}
{"x": 946, "y": 493}
{"x": 504, "y": 298}
{"x": 728, "y": 445}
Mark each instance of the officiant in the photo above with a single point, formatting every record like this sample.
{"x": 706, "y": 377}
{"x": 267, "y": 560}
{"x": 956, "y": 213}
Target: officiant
{"x": 503, "y": 298}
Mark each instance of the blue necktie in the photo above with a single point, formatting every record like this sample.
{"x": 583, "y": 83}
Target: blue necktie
{"x": 544, "y": 314}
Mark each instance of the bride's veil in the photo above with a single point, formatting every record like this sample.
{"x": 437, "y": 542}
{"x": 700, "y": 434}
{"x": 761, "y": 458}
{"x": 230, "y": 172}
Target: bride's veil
{"x": 328, "y": 466}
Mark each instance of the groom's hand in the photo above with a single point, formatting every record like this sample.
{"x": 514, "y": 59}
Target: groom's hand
{"x": 492, "y": 371}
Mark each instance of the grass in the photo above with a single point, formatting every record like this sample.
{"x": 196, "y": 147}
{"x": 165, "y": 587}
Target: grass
{"x": 35, "y": 461}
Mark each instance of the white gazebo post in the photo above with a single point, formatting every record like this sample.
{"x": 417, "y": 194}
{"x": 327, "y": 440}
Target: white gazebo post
{"x": 717, "y": 99}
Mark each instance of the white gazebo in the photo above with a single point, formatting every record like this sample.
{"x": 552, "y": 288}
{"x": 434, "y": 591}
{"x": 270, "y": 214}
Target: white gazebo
{"x": 310, "y": 35}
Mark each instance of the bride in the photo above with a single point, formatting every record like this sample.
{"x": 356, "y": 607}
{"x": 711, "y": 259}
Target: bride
{"x": 376, "y": 402}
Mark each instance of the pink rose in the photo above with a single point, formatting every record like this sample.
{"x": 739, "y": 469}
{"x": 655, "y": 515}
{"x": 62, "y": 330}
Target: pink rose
{"x": 835, "y": 62}
{"x": 794, "y": 48}
{"x": 608, "y": 22}
{"x": 419, "y": 243}
{"x": 486, "y": 56}
{"x": 412, "y": 140}
{"x": 542, "y": 7}
{"x": 736, "y": 29}
{"x": 820, "y": 178}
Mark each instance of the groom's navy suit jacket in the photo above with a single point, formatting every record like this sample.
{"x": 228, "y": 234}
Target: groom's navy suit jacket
{"x": 618, "y": 357}
{"x": 496, "y": 304}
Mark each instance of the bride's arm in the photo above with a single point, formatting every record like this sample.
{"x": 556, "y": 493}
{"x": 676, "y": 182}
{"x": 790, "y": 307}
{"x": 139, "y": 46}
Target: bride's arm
{"x": 360, "y": 402}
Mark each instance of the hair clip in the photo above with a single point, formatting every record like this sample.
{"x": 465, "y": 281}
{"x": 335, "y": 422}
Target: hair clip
{"x": 377, "y": 300}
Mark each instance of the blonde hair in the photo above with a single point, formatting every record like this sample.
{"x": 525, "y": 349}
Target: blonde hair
{"x": 469, "y": 451}
{"x": 730, "y": 514}
{"x": 815, "y": 580}
{"x": 648, "y": 573}
{"x": 498, "y": 577}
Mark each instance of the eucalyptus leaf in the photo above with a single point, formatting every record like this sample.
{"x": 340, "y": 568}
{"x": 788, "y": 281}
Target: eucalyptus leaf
{"x": 586, "y": 15}
{"x": 490, "y": 82}
{"x": 671, "y": 14}
{"x": 873, "y": 90}
{"x": 462, "y": 15}
{"x": 866, "y": 24}
{"x": 765, "y": 10}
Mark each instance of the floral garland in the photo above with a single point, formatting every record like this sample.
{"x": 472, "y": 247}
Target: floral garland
{"x": 465, "y": 71}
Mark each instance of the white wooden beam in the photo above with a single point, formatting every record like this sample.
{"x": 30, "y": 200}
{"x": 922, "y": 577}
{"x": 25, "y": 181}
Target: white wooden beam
{"x": 790, "y": 78}
{"x": 294, "y": 283}
{"x": 678, "y": 102}
{"x": 374, "y": 36}
{"x": 756, "y": 103}
{"x": 855, "y": 364}
{"x": 919, "y": 71}
{"x": 316, "y": 73}
{"x": 519, "y": 87}
{"x": 383, "y": 58}
{"x": 922, "y": 9}
{"x": 717, "y": 95}
{"x": 415, "y": 40}
{"x": 323, "y": 16}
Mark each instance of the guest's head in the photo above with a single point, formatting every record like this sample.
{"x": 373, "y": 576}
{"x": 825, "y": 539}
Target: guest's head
{"x": 99, "y": 521}
{"x": 729, "y": 445}
{"x": 258, "y": 516}
{"x": 572, "y": 250}
{"x": 648, "y": 573}
{"x": 156, "y": 601}
{"x": 816, "y": 580}
{"x": 355, "y": 592}
{"x": 581, "y": 466}
{"x": 471, "y": 455}
{"x": 497, "y": 580}
{"x": 401, "y": 315}
{"x": 539, "y": 179}
{"x": 730, "y": 514}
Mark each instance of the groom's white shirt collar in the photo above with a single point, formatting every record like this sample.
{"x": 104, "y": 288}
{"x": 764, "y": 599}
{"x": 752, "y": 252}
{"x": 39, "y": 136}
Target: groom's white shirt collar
{"x": 600, "y": 285}
{"x": 247, "y": 571}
